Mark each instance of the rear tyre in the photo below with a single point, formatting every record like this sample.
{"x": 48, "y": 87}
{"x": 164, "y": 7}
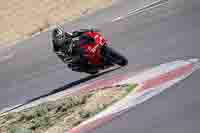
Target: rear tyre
{"x": 92, "y": 72}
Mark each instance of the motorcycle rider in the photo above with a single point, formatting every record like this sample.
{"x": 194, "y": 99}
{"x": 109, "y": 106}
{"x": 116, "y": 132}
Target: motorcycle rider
{"x": 67, "y": 47}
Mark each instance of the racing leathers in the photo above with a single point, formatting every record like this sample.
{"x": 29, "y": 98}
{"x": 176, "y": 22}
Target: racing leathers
{"x": 71, "y": 52}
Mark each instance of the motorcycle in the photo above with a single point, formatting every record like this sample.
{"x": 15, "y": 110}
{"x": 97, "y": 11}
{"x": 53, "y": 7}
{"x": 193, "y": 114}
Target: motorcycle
{"x": 99, "y": 55}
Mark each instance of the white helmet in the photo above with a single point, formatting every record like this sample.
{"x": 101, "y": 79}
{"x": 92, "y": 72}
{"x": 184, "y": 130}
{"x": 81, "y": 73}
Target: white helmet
{"x": 58, "y": 35}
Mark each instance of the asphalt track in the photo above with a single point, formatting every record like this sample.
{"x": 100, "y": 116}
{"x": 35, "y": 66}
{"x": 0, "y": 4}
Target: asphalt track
{"x": 153, "y": 35}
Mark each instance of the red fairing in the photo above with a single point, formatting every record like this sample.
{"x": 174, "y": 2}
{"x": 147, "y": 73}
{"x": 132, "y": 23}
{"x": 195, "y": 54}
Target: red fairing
{"x": 92, "y": 50}
{"x": 98, "y": 37}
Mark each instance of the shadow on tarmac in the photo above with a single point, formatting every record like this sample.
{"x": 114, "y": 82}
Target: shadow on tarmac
{"x": 65, "y": 87}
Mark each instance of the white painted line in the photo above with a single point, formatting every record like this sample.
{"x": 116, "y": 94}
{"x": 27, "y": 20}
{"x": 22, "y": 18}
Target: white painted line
{"x": 4, "y": 110}
{"x": 139, "y": 10}
{"x": 7, "y": 57}
{"x": 194, "y": 60}
{"x": 152, "y": 72}
{"x": 35, "y": 34}
{"x": 117, "y": 19}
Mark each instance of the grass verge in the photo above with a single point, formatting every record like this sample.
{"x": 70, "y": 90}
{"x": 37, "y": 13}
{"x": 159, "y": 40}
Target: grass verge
{"x": 61, "y": 115}
{"x": 21, "y": 19}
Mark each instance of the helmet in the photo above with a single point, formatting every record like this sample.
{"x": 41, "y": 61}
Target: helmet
{"x": 58, "y": 35}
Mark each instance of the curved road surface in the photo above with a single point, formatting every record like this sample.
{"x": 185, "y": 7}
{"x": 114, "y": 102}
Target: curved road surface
{"x": 160, "y": 32}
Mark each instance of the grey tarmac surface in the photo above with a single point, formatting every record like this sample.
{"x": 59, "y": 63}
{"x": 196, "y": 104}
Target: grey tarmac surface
{"x": 166, "y": 32}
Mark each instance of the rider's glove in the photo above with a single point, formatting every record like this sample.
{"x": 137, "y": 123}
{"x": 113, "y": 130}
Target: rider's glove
{"x": 67, "y": 59}
{"x": 60, "y": 53}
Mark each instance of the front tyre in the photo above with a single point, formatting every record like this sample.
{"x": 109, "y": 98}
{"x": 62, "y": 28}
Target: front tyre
{"x": 114, "y": 56}
{"x": 122, "y": 61}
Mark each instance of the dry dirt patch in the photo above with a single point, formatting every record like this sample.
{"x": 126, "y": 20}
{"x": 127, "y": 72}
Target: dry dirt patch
{"x": 20, "y": 19}
{"x": 61, "y": 115}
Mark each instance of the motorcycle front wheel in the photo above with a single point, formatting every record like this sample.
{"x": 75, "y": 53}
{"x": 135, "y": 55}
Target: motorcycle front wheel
{"x": 114, "y": 56}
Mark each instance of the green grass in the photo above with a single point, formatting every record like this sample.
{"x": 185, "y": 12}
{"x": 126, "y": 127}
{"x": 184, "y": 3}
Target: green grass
{"x": 41, "y": 117}
{"x": 129, "y": 88}
{"x": 45, "y": 115}
{"x": 19, "y": 130}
